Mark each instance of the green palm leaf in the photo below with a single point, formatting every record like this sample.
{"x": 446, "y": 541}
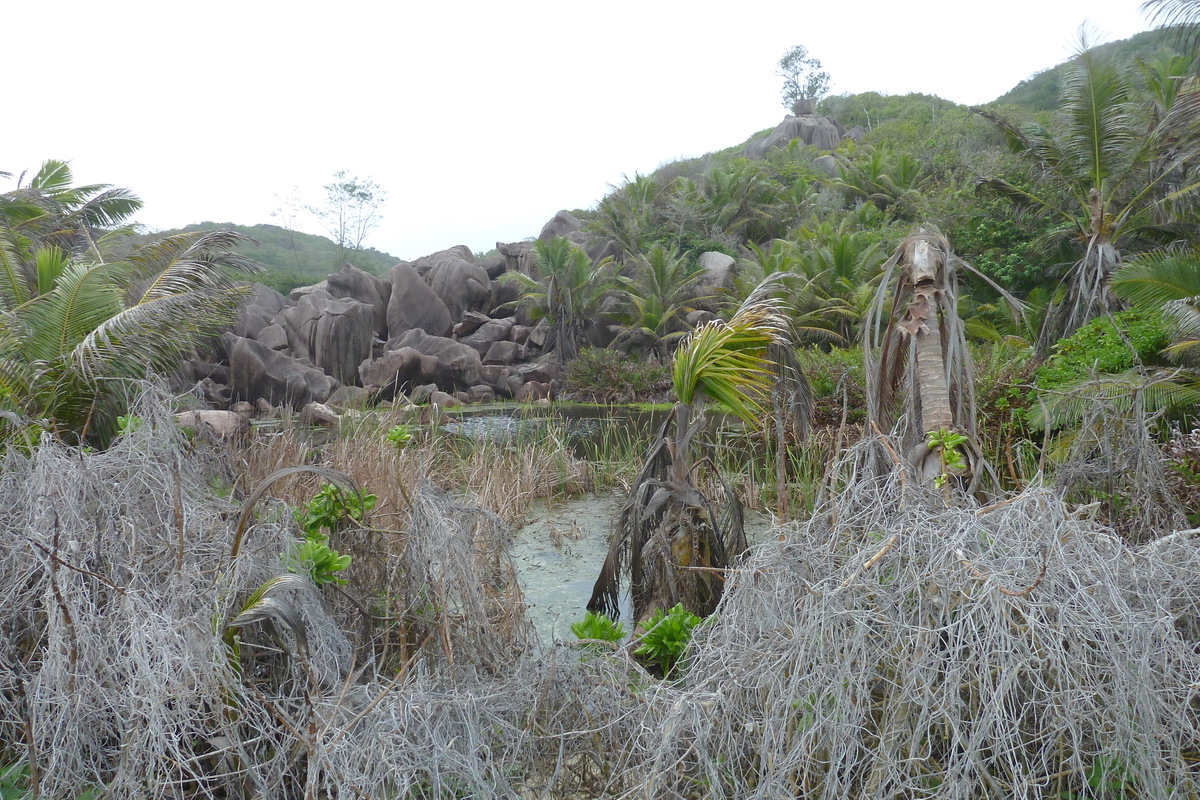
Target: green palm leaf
{"x": 83, "y": 298}
{"x": 727, "y": 361}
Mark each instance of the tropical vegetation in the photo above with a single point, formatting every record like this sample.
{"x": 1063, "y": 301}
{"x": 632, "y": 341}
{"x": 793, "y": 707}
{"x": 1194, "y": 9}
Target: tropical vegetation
{"x": 78, "y": 330}
{"x": 957, "y": 354}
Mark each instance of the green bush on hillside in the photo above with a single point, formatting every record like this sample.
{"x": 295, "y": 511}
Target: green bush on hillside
{"x": 1098, "y": 347}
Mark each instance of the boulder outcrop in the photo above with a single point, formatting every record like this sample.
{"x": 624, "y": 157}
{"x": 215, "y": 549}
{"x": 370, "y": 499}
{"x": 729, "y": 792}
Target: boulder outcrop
{"x": 821, "y": 132}
{"x": 256, "y": 371}
{"x": 413, "y": 305}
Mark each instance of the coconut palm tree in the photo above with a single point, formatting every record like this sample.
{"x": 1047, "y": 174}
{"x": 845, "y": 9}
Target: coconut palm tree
{"x": 70, "y": 353}
{"x": 76, "y": 330}
{"x": 657, "y": 295}
{"x": 670, "y": 538}
{"x": 566, "y": 290}
{"x": 1115, "y": 175}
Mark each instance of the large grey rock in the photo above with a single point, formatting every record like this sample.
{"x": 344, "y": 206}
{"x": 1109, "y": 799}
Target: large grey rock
{"x": 335, "y": 335}
{"x": 482, "y": 394}
{"x": 273, "y": 336}
{"x": 496, "y": 377}
{"x": 258, "y": 310}
{"x": 518, "y": 256}
{"x": 455, "y": 366}
{"x": 260, "y": 372}
{"x": 221, "y": 424}
{"x": 827, "y": 164}
{"x": 492, "y": 331}
{"x": 532, "y": 391}
{"x": 217, "y": 395}
{"x": 502, "y": 353}
{"x": 319, "y": 414}
{"x": 462, "y": 286}
{"x": 321, "y": 288}
{"x": 564, "y": 223}
{"x": 494, "y": 266}
{"x": 391, "y": 373}
{"x": 364, "y": 287}
{"x": 471, "y": 322}
{"x": 821, "y": 132}
{"x": 413, "y": 305}
{"x": 349, "y": 397}
{"x": 460, "y": 251}
{"x": 444, "y": 400}
{"x": 717, "y": 269}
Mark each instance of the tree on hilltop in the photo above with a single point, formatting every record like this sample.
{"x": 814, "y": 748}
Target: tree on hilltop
{"x": 803, "y": 77}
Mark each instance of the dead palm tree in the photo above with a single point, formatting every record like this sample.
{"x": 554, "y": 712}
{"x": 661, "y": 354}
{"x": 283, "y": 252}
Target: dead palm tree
{"x": 670, "y": 537}
{"x": 920, "y": 385}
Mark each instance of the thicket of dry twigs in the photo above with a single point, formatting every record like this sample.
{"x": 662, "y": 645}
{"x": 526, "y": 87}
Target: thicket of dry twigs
{"x": 893, "y": 645}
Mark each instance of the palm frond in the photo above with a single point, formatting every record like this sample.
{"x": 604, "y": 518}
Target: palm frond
{"x": 1157, "y": 391}
{"x": 155, "y": 333}
{"x": 84, "y": 296}
{"x": 727, "y": 362}
{"x": 185, "y": 262}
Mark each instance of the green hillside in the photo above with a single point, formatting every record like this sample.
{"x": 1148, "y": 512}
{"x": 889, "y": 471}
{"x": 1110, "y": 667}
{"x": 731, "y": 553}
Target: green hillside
{"x": 292, "y": 258}
{"x": 1040, "y": 92}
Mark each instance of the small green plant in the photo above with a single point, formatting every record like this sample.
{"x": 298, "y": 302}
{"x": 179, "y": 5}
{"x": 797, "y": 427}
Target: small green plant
{"x": 314, "y": 557}
{"x": 400, "y": 435}
{"x": 331, "y": 507}
{"x": 598, "y": 626}
{"x": 952, "y": 457}
{"x": 667, "y": 636}
{"x": 128, "y": 423}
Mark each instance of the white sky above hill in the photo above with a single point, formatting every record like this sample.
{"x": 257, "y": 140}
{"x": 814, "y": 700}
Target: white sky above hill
{"x": 481, "y": 119}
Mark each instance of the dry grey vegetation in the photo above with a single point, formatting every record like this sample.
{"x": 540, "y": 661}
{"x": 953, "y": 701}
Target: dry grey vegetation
{"x": 891, "y": 646}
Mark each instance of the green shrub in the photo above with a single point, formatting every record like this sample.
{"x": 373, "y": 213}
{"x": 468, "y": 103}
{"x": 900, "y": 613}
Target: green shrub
{"x": 600, "y": 375}
{"x": 330, "y": 507}
{"x": 1098, "y": 347}
{"x": 830, "y": 371}
{"x": 666, "y": 637}
{"x": 598, "y": 626}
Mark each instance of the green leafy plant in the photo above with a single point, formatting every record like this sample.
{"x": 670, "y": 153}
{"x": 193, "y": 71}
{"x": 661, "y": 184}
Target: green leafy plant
{"x": 667, "y": 636}
{"x": 128, "y": 423}
{"x": 13, "y": 781}
{"x": 314, "y": 557}
{"x": 599, "y": 627}
{"x": 952, "y": 457}
{"x": 331, "y": 507}
{"x": 400, "y": 435}
{"x": 1100, "y": 347}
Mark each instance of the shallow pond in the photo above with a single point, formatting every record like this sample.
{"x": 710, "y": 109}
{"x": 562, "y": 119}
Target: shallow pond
{"x": 558, "y": 554}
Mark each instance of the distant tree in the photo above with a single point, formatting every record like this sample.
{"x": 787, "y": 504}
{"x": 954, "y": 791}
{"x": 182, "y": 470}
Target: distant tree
{"x": 287, "y": 212}
{"x": 803, "y": 78}
{"x": 351, "y": 210}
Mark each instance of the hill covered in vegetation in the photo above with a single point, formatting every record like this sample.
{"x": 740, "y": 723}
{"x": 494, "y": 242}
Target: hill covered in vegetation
{"x": 291, "y": 258}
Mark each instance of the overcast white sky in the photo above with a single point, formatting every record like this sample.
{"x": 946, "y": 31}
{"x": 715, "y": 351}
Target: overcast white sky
{"x": 481, "y": 119}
